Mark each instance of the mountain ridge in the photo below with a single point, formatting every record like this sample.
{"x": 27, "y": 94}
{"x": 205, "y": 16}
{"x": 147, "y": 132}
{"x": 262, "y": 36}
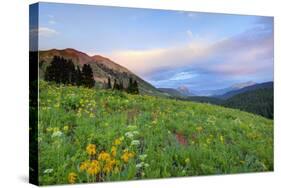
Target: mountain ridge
{"x": 222, "y": 91}
{"x": 245, "y": 89}
{"x": 103, "y": 68}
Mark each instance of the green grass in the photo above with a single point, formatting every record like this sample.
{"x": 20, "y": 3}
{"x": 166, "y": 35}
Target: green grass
{"x": 217, "y": 140}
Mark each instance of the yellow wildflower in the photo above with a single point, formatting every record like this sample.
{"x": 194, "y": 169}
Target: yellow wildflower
{"x": 72, "y": 177}
{"x": 66, "y": 128}
{"x": 104, "y": 156}
{"x": 187, "y": 161}
{"x": 113, "y": 151}
{"x": 91, "y": 149}
{"x": 109, "y": 165}
{"x": 127, "y": 155}
{"x": 117, "y": 141}
{"x": 84, "y": 165}
{"x": 94, "y": 168}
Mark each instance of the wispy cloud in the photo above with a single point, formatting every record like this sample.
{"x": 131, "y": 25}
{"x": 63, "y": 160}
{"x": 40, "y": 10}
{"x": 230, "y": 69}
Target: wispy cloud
{"x": 145, "y": 62}
{"x": 250, "y": 52}
{"x": 47, "y": 32}
{"x": 183, "y": 76}
{"x": 43, "y": 32}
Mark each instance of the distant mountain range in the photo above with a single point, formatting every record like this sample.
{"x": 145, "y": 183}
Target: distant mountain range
{"x": 245, "y": 89}
{"x": 183, "y": 91}
{"x": 257, "y": 99}
{"x": 218, "y": 92}
{"x": 180, "y": 92}
{"x": 103, "y": 68}
{"x": 171, "y": 92}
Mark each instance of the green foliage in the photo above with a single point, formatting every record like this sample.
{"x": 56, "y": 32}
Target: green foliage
{"x": 218, "y": 140}
{"x": 259, "y": 101}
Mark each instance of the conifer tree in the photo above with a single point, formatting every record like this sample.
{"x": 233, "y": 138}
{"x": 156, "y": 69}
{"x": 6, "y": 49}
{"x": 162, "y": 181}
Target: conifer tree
{"x": 78, "y": 76}
{"x": 87, "y": 76}
{"x": 135, "y": 87}
{"x": 108, "y": 83}
{"x": 115, "y": 85}
{"x": 130, "y": 86}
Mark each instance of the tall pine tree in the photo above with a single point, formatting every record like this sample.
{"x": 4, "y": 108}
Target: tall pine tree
{"x": 135, "y": 87}
{"x": 87, "y": 76}
{"x": 78, "y": 76}
{"x": 130, "y": 86}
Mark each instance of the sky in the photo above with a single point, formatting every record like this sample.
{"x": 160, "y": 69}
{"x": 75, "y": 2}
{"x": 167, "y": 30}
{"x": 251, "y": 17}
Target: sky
{"x": 169, "y": 49}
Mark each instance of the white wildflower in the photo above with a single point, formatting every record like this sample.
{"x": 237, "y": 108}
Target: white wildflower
{"x": 142, "y": 164}
{"x": 56, "y": 134}
{"x": 142, "y": 157}
{"x": 139, "y": 165}
{"x": 129, "y": 135}
{"x": 135, "y": 143}
{"x": 48, "y": 171}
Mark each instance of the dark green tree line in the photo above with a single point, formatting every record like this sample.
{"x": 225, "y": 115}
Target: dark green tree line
{"x": 118, "y": 85}
{"x": 63, "y": 71}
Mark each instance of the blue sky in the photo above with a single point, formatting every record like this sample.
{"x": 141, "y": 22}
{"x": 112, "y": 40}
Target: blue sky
{"x": 167, "y": 48}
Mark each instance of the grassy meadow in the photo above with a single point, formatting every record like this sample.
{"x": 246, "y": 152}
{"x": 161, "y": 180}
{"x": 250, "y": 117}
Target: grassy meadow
{"x": 90, "y": 135}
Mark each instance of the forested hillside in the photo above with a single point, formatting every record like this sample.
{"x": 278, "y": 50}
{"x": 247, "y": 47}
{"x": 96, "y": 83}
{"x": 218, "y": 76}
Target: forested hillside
{"x": 259, "y": 101}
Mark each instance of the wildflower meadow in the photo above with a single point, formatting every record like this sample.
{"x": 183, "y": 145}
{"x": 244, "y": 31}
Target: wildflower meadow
{"x": 96, "y": 135}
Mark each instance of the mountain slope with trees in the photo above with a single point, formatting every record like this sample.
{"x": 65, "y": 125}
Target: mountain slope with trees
{"x": 63, "y": 71}
{"x": 259, "y": 101}
{"x": 103, "y": 68}
{"x": 245, "y": 89}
